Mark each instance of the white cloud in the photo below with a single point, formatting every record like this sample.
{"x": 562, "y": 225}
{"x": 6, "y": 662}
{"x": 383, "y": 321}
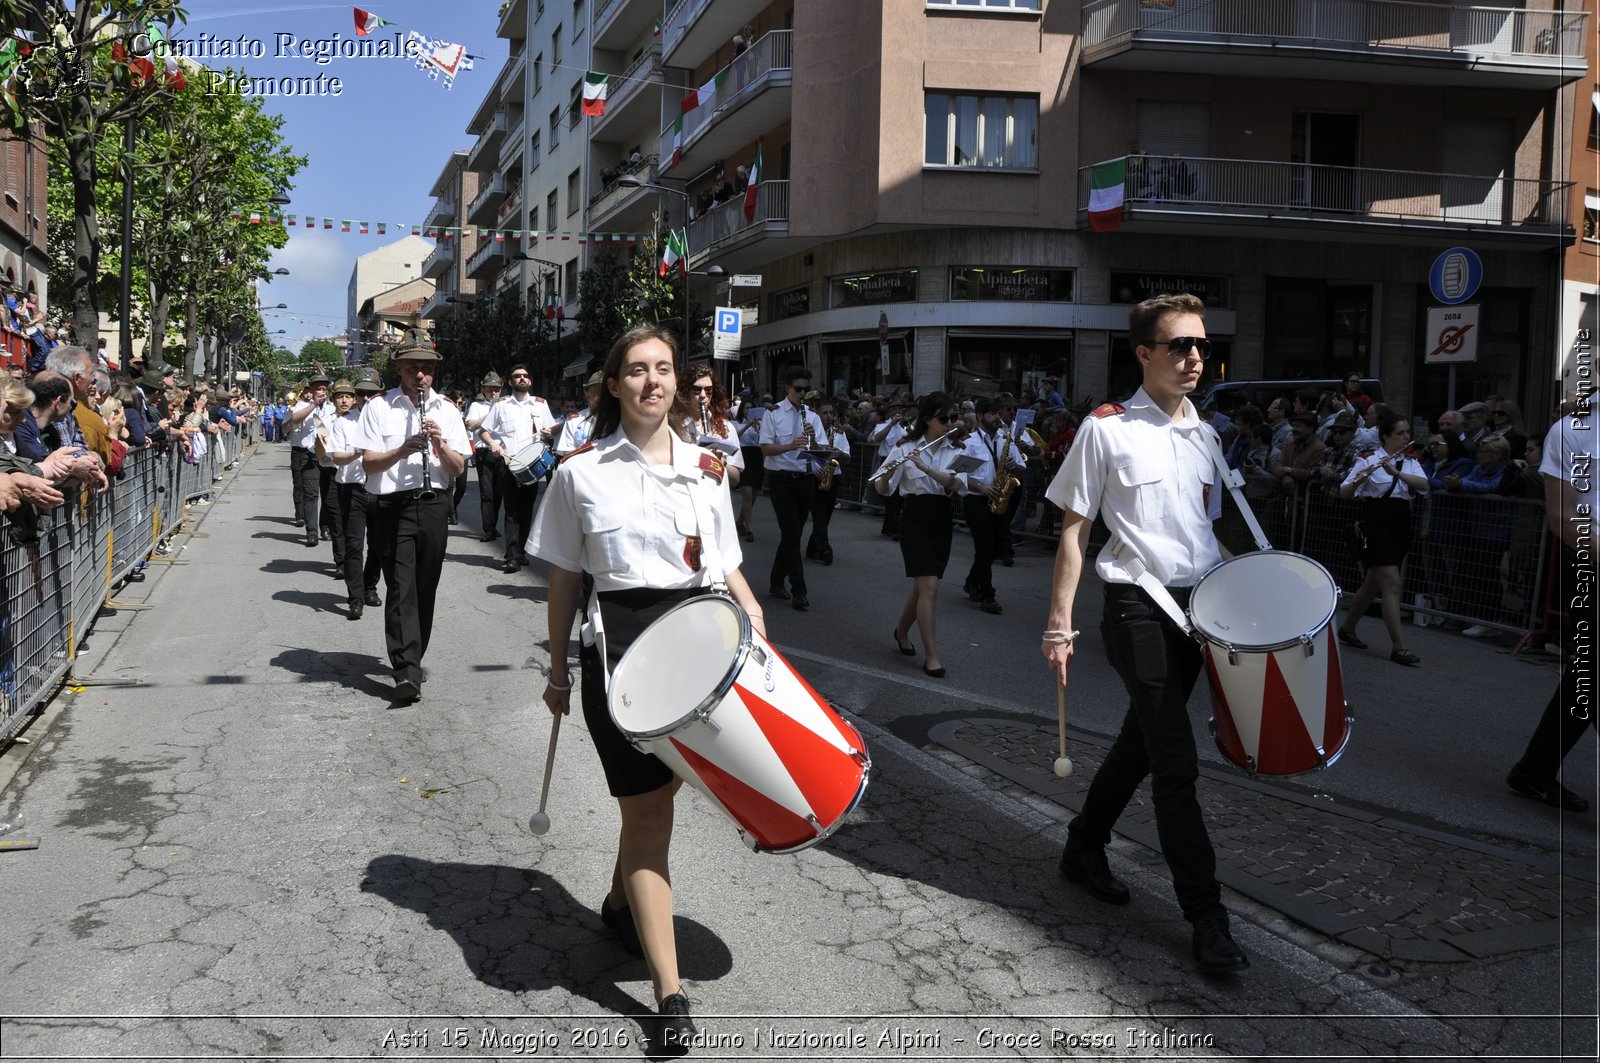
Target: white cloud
{"x": 319, "y": 259}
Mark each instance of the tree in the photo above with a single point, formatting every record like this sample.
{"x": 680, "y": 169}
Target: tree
{"x": 661, "y": 299}
{"x": 491, "y": 333}
{"x": 610, "y": 306}
{"x": 323, "y": 352}
{"x": 79, "y": 84}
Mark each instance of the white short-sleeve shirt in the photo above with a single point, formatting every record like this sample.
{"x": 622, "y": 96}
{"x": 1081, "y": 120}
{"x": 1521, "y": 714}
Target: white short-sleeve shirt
{"x": 1378, "y": 484}
{"x": 1153, "y": 480}
{"x": 1569, "y": 454}
{"x": 631, "y": 524}
{"x": 343, "y": 432}
{"x": 304, "y": 434}
{"x": 515, "y": 422}
{"x": 388, "y": 419}
{"x": 575, "y": 432}
{"x": 785, "y": 425}
{"x": 907, "y": 479}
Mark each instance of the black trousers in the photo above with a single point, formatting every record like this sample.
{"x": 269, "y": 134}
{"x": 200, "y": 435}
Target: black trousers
{"x": 328, "y": 500}
{"x": 821, "y": 517}
{"x": 333, "y": 517}
{"x": 409, "y": 536}
{"x": 790, "y": 493}
{"x": 361, "y": 565}
{"x": 1004, "y": 545}
{"x": 489, "y": 469}
{"x": 1158, "y": 664}
{"x": 308, "y": 479}
{"x": 981, "y": 525}
{"x": 1565, "y": 717}
{"x": 519, "y": 500}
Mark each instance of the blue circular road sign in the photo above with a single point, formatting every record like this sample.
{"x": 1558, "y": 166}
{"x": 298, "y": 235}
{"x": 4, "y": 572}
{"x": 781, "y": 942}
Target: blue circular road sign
{"x": 1455, "y": 275}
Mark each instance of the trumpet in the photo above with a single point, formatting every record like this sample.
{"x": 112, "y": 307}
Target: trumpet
{"x": 894, "y": 463}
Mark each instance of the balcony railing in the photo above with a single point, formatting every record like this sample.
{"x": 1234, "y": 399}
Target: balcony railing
{"x": 722, "y": 223}
{"x": 508, "y": 210}
{"x": 435, "y": 305}
{"x": 490, "y": 252}
{"x": 439, "y": 259}
{"x": 513, "y": 20}
{"x": 631, "y": 80}
{"x": 490, "y": 195}
{"x": 774, "y": 52}
{"x": 443, "y": 211}
{"x": 488, "y": 141}
{"x": 1503, "y": 35}
{"x": 603, "y": 12}
{"x": 611, "y": 193}
{"x": 1290, "y": 191}
{"x": 678, "y": 19}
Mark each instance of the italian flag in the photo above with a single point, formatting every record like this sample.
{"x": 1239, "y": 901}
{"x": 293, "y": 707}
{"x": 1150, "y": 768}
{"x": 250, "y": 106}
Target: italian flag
{"x": 675, "y": 253}
{"x": 366, "y": 22}
{"x": 750, "y": 188}
{"x": 594, "y": 94}
{"x": 705, "y": 95}
{"x": 677, "y": 141}
{"x": 1106, "y": 181}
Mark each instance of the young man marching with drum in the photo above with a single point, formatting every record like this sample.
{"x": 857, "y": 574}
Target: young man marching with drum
{"x": 644, "y": 513}
{"x": 1146, "y": 466}
{"x": 514, "y": 423}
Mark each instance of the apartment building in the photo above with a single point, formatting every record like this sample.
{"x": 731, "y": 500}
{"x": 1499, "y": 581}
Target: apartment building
{"x": 375, "y": 273}
{"x": 926, "y": 168}
{"x": 1580, "y": 289}
{"x": 529, "y": 158}
{"x": 24, "y": 264}
{"x": 453, "y": 190}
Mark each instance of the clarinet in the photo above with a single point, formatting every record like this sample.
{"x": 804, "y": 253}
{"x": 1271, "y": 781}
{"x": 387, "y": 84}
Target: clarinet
{"x": 427, "y": 492}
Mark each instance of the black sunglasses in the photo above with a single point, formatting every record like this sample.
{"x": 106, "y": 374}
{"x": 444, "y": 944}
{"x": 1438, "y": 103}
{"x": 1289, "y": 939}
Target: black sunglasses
{"x": 1179, "y": 346}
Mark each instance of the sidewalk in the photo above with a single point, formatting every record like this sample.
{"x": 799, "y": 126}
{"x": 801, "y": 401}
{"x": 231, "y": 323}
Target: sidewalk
{"x": 247, "y": 851}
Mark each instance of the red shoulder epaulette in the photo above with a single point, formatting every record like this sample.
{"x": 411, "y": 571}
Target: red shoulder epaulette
{"x": 1106, "y": 409}
{"x": 574, "y": 453}
{"x": 1368, "y": 452}
{"x": 712, "y": 465}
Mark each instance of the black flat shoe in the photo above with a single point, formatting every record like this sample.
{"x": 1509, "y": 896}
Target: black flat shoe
{"x": 1545, "y": 791}
{"x": 1090, "y": 870}
{"x": 620, "y": 922}
{"x": 373, "y": 599}
{"x": 1214, "y": 948}
{"x": 778, "y": 593}
{"x": 355, "y": 611}
{"x": 909, "y": 651}
{"x": 677, "y": 1029}
{"x": 1405, "y": 657}
{"x": 801, "y": 602}
{"x": 936, "y": 673}
{"x": 1349, "y": 639}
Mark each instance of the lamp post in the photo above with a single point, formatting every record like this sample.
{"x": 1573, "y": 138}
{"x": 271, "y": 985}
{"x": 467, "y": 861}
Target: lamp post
{"x": 635, "y": 181}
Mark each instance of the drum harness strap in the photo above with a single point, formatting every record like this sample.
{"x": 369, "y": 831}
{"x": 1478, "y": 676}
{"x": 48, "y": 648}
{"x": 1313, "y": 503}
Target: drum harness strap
{"x": 1233, "y": 479}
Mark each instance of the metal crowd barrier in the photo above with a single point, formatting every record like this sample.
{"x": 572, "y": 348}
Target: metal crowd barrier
{"x": 59, "y": 572}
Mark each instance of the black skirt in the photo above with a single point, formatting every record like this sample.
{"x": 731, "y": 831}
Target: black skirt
{"x": 1387, "y": 523}
{"x": 927, "y": 525}
{"x": 629, "y": 772}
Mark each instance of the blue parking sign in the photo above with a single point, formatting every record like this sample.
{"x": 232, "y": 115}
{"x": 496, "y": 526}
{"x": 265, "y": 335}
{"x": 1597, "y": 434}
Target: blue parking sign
{"x": 727, "y": 325}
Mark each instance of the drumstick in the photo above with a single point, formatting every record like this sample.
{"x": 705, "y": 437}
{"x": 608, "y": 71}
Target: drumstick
{"x": 539, "y": 822}
{"x": 1063, "y": 765}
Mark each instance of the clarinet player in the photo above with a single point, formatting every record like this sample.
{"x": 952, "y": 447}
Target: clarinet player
{"x": 413, "y": 443}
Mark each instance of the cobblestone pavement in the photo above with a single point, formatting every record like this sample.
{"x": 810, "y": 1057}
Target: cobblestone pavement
{"x": 1395, "y": 889}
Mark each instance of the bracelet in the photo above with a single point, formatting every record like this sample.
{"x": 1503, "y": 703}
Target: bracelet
{"x": 557, "y": 686}
{"x": 1059, "y": 638}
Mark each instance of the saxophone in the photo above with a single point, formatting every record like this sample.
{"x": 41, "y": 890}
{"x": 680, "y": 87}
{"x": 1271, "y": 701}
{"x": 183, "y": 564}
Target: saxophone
{"x": 831, "y": 466}
{"x": 1003, "y": 479}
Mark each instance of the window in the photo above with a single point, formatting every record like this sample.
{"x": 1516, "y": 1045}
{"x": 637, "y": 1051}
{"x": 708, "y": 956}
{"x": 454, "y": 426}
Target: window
{"x": 575, "y": 104}
{"x": 573, "y": 179}
{"x": 572, "y": 281}
{"x": 555, "y": 47}
{"x": 533, "y": 151}
{"x": 577, "y": 19}
{"x": 555, "y": 127}
{"x": 538, "y": 73}
{"x": 552, "y": 206}
{"x": 1594, "y": 129}
{"x": 992, "y": 5}
{"x": 533, "y": 219}
{"x": 1591, "y": 216}
{"x": 991, "y": 132}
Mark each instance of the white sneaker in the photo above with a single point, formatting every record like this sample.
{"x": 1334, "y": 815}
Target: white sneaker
{"x": 1476, "y": 631}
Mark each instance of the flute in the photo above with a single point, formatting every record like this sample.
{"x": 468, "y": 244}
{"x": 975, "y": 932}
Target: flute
{"x": 894, "y": 463}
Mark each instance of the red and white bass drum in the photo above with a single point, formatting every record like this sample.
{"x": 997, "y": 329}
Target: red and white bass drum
{"x": 702, "y": 690}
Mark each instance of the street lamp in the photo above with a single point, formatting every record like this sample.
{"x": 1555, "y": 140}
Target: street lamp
{"x": 632, "y": 180}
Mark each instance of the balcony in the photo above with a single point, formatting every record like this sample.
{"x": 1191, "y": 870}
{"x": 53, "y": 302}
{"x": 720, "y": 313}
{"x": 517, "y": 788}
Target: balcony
{"x": 618, "y": 23}
{"x": 513, "y": 20}
{"x": 725, "y": 236}
{"x": 436, "y": 306}
{"x": 511, "y": 154}
{"x": 510, "y": 212}
{"x": 490, "y": 256}
{"x": 622, "y": 207}
{"x": 694, "y": 29}
{"x": 1393, "y": 41}
{"x": 486, "y": 152}
{"x": 1237, "y": 197}
{"x": 753, "y": 98}
{"x": 514, "y": 79}
{"x": 439, "y": 260}
{"x": 483, "y": 209}
{"x": 443, "y": 211}
{"x": 634, "y": 105}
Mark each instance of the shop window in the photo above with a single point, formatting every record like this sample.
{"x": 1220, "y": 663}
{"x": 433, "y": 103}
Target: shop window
{"x": 990, "y": 364}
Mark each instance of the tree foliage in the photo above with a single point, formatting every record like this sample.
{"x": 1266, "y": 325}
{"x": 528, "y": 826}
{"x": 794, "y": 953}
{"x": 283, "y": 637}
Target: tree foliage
{"x": 496, "y": 334}
{"x": 323, "y": 352}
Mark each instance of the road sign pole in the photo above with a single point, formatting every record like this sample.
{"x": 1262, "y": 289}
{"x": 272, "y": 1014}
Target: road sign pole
{"x": 1450, "y": 389}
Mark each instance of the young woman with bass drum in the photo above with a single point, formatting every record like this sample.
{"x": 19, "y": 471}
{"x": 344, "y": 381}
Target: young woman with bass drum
{"x": 624, "y": 510}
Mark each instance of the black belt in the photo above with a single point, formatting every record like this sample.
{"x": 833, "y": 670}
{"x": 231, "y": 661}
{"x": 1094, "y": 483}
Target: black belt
{"x": 786, "y": 472}
{"x": 395, "y": 498}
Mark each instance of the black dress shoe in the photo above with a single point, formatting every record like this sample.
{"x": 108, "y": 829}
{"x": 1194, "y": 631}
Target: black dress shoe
{"x": 298, "y": 523}
{"x": 1214, "y": 948}
{"x": 778, "y": 593}
{"x": 811, "y": 554}
{"x": 801, "y": 602}
{"x": 311, "y": 543}
{"x": 1007, "y": 562}
{"x": 989, "y": 605}
{"x": 827, "y": 555}
{"x": 510, "y": 566}
{"x": 373, "y": 599}
{"x": 355, "y": 611}
{"x": 1547, "y": 791}
{"x": 972, "y": 591}
{"x": 935, "y": 673}
{"x": 407, "y": 692}
{"x": 620, "y": 922}
{"x": 677, "y": 1029}
{"x": 1088, "y": 868}
{"x": 909, "y": 651}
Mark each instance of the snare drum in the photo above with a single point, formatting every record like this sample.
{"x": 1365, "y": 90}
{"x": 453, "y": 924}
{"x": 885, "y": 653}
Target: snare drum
{"x": 704, "y": 692}
{"x": 1276, "y": 690}
{"x": 531, "y": 464}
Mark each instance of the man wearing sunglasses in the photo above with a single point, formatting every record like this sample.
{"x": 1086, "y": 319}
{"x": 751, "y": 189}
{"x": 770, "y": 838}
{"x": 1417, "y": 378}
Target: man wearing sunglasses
{"x": 1146, "y": 467}
{"x": 786, "y": 433}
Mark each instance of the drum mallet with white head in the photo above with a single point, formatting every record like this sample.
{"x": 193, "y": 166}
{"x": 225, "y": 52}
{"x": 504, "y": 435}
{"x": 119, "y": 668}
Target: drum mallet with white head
{"x": 1063, "y": 765}
{"x": 539, "y": 822}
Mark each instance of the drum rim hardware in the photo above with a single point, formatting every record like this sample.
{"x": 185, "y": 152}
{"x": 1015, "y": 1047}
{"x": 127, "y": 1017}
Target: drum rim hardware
{"x": 703, "y": 712}
{"x": 1304, "y": 639}
{"x": 824, "y": 832}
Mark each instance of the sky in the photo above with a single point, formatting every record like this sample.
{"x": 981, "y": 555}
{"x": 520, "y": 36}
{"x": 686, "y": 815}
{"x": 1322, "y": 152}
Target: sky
{"x": 374, "y": 149}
